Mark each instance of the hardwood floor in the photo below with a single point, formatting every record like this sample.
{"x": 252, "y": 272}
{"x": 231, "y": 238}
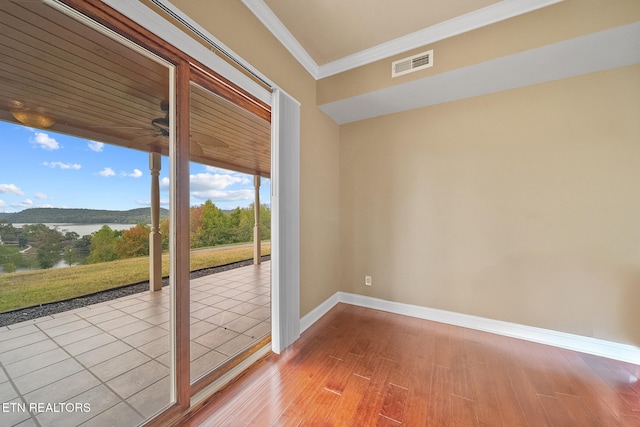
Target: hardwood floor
{"x": 362, "y": 367}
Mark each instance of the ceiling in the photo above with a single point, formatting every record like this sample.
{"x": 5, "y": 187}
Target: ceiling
{"x": 92, "y": 86}
{"x": 331, "y": 29}
{"x": 331, "y": 36}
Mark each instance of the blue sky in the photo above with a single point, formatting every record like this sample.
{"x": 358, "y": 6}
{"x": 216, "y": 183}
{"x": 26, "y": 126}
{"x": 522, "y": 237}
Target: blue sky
{"x": 39, "y": 168}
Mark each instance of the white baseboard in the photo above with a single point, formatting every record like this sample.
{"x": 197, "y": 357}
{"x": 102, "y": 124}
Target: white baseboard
{"x": 315, "y": 314}
{"x": 608, "y": 349}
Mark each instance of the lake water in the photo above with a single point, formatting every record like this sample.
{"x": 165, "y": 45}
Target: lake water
{"x": 83, "y": 229}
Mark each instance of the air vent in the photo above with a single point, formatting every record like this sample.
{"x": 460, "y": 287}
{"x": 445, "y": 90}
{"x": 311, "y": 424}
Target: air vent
{"x": 413, "y": 63}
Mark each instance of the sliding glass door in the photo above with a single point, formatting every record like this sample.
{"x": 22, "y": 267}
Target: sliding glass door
{"x": 230, "y": 285}
{"x": 113, "y": 128}
{"x": 85, "y": 333}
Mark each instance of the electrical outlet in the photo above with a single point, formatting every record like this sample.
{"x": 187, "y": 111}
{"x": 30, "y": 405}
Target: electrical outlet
{"x": 367, "y": 280}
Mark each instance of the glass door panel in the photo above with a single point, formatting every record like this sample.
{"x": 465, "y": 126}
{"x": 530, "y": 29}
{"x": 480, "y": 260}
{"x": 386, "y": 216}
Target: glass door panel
{"x": 230, "y": 282}
{"x": 84, "y": 123}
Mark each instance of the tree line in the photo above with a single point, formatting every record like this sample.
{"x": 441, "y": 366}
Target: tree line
{"x": 81, "y": 216}
{"x": 209, "y": 226}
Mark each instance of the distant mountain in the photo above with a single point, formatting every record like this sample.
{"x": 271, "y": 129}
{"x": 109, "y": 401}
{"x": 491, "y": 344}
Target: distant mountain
{"x": 81, "y": 216}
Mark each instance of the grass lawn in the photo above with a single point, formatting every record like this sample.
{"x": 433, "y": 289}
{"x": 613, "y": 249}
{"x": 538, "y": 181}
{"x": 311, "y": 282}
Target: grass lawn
{"x": 29, "y": 288}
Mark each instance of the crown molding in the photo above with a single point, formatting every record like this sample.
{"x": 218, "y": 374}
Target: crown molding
{"x": 480, "y": 18}
{"x": 477, "y": 19}
{"x": 277, "y": 28}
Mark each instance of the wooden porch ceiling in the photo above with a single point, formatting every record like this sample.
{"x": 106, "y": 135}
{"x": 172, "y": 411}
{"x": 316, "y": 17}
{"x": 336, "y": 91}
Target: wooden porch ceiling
{"x": 94, "y": 87}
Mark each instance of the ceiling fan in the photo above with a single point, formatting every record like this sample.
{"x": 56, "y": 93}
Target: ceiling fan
{"x": 159, "y": 134}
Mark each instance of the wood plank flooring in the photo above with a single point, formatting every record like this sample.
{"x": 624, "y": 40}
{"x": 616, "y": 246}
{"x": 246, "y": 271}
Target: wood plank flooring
{"x": 363, "y": 367}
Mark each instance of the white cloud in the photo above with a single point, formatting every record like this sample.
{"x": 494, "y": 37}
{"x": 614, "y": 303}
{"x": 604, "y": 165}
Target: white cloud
{"x": 41, "y": 196}
{"x": 61, "y": 165}
{"x": 95, "y": 146}
{"x": 213, "y": 169}
{"x": 207, "y": 181}
{"x": 106, "y": 172}
{"x": 45, "y": 142}
{"x": 244, "y": 179}
{"x": 137, "y": 173}
{"x": 46, "y": 205}
{"x": 26, "y": 203}
{"x": 2, "y": 204}
{"x": 217, "y": 195}
{"x": 11, "y": 189}
{"x": 214, "y": 184}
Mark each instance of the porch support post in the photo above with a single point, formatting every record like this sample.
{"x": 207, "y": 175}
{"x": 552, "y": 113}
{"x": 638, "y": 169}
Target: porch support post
{"x": 155, "y": 238}
{"x": 256, "y": 227}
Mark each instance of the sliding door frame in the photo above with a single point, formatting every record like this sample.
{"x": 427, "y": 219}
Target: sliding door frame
{"x": 140, "y": 25}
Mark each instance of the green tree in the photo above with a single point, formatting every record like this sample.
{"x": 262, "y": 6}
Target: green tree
{"x": 8, "y": 233}
{"x": 34, "y": 233}
{"x": 46, "y": 241}
{"x": 9, "y": 267}
{"x": 103, "y": 245}
{"x": 164, "y": 232}
{"x": 210, "y": 226}
{"x": 233, "y": 222}
{"x": 195, "y": 225}
{"x": 265, "y": 222}
{"x": 71, "y": 236}
{"x": 10, "y": 258}
{"x": 78, "y": 252}
{"x": 214, "y": 229}
{"x": 49, "y": 248}
{"x": 244, "y": 230}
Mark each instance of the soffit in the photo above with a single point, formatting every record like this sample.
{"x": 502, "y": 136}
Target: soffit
{"x": 616, "y": 47}
{"x": 96, "y": 88}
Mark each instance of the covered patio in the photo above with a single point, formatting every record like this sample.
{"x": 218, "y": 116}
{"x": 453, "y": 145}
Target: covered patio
{"x": 114, "y": 355}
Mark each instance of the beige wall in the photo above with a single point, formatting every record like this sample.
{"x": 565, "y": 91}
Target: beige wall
{"x": 233, "y": 24}
{"x": 522, "y": 206}
{"x": 519, "y": 206}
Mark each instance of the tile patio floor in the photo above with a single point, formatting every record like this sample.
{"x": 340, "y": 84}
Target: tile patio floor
{"x": 114, "y": 355}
